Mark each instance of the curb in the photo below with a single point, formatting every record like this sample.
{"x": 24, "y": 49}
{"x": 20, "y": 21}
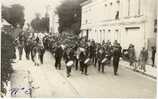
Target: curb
{"x": 138, "y": 71}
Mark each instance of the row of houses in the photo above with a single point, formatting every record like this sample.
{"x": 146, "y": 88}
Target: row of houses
{"x": 128, "y": 21}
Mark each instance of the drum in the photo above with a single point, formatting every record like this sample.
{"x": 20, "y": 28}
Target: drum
{"x": 87, "y": 61}
{"x": 77, "y": 56}
{"x": 69, "y": 63}
{"x": 82, "y": 49}
{"x": 104, "y": 60}
{"x": 63, "y": 46}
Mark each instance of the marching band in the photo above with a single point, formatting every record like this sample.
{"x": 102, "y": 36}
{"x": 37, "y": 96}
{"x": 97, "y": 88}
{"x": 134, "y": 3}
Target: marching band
{"x": 82, "y": 53}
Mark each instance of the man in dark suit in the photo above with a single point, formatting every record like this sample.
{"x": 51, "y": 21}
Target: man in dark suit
{"x": 27, "y": 48}
{"x": 58, "y": 56}
{"x": 101, "y": 56}
{"x": 116, "y": 57}
{"x": 82, "y": 58}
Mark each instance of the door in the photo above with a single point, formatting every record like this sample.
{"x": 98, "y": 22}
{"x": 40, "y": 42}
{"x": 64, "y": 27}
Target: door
{"x": 135, "y": 37}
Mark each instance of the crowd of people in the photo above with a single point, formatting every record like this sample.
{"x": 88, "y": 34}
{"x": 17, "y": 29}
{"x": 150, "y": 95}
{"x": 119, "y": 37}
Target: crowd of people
{"x": 81, "y": 54}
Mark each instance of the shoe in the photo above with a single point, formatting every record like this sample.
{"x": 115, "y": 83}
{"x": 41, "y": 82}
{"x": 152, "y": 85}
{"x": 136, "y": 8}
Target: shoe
{"x": 115, "y": 74}
{"x": 86, "y": 74}
{"x": 68, "y": 75}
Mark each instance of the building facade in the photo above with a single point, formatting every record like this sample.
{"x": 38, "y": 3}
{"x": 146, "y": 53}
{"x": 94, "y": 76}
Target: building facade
{"x": 53, "y": 19}
{"x": 127, "y": 21}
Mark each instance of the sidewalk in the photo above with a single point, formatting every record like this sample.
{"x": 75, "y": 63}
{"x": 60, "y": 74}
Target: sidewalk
{"x": 150, "y": 71}
{"x": 46, "y": 81}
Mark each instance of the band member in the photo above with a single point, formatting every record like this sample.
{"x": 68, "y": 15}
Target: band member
{"x": 109, "y": 51}
{"x": 32, "y": 45}
{"x": 21, "y": 40}
{"x": 36, "y": 54}
{"x": 68, "y": 62}
{"x": 77, "y": 52}
{"x": 116, "y": 57}
{"x": 42, "y": 51}
{"x": 58, "y": 56}
{"x": 91, "y": 51}
{"x": 86, "y": 62}
{"x": 68, "y": 67}
{"x": 72, "y": 54}
{"x": 101, "y": 56}
{"x": 27, "y": 48}
{"x": 96, "y": 54}
{"x": 82, "y": 58}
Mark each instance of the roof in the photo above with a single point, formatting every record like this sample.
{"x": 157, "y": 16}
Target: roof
{"x": 4, "y": 22}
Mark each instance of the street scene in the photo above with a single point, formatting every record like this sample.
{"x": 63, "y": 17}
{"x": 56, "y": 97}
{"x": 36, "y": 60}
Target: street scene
{"x": 79, "y": 49}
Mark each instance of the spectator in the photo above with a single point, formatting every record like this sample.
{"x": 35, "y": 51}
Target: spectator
{"x": 143, "y": 58}
{"x": 153, "y": 55}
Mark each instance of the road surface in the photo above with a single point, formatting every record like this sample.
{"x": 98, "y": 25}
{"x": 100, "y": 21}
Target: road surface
{"x": 49, "y": 82}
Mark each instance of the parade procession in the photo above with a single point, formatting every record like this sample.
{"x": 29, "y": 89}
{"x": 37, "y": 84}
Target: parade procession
{"x": 79, "y": 55}
{"x": 73, "y": 48}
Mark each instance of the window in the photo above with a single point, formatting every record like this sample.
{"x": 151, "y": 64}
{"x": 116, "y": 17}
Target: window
{"x": 155, "y": 25}
{"x": 106, "y": 5}
{"x": 118, "y": 1}
{"x": 128, "y": 7}
{"x": 110, "y": 3}
{"x": 117, "y": 15}
{"x": 134, "y": 8}
{"x": 116, "y": 30}
{"x": 139, "y": 7}
{"x": 109, "y": 30}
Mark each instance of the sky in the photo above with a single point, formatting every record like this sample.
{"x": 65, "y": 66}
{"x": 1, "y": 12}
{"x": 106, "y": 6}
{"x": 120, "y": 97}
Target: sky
{"x": 33, "y": 6}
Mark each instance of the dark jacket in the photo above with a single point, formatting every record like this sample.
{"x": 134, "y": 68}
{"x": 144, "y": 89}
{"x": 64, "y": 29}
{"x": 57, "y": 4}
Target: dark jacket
{"x": 116, "y": 53}
{"x": 58, "y": 52}
{"x": 82, "y": 57}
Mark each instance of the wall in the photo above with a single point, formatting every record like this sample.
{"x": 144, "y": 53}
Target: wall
{"x": 132, "y": 14}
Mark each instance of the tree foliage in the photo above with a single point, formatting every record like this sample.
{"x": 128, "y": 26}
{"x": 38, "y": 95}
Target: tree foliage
{"x": 14, "y": 14}
{"x": 69, "y": 13}
{"x": 7, "y": 54}
{"x": 40, "y": 24}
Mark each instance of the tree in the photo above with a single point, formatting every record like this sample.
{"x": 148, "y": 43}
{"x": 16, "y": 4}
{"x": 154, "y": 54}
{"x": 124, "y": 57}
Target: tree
{"x": 45, "y": 23}
{"x": 40, "y": 24}
{"x": 36, "y": 23}
{"x": 14, "y": 14}
{"x": 69, "y": 13}
{"x": 7, "y": 55}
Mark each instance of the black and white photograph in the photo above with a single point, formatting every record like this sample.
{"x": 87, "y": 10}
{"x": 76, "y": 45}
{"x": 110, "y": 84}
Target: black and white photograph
{"x": 79, "y": 49}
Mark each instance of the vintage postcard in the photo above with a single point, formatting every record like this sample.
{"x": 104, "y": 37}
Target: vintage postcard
{"x": 79, "y": 48}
